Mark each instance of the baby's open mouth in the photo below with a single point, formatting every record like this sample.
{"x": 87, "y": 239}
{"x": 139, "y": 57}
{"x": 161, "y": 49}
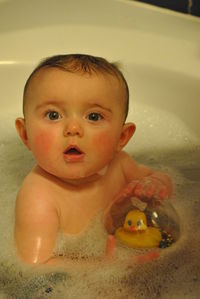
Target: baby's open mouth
{"x": 73, "y": 154}
{"x": 73, "y": 151}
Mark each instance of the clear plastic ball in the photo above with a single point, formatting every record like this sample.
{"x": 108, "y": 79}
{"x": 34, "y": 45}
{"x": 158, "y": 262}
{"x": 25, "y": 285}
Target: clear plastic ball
{"x": 159, "y": 214}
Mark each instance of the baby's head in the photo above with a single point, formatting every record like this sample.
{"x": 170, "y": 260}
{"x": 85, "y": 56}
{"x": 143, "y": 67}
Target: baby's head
{"x": 75, "y": 107}
{"x": 85, "y": 65}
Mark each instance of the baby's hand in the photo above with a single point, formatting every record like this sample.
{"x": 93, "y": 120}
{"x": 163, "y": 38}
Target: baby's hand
{"x": 157, "y": 186}
{"x": 150, "y": 187}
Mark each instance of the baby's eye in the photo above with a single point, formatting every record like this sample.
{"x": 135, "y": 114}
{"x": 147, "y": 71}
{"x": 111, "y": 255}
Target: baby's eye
{"x": 53, "y": 115}
{"x": 95, "y": 116}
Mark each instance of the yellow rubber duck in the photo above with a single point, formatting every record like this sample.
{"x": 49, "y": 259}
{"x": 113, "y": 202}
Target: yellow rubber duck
{"x": 135, "y": 232}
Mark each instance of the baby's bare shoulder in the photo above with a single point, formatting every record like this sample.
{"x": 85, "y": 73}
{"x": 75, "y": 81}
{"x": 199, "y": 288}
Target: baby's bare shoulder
{"x": 123, "y": 159}
{"x": 131, "y": 169}
{"x": 35, "y": 194}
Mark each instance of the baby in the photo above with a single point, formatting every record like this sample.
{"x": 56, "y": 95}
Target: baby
{"x": 75, "y": 107}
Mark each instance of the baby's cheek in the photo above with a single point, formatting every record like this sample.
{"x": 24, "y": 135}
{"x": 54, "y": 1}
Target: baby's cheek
{"x": 104, "y": 144}
{"x": 42, "y": 144}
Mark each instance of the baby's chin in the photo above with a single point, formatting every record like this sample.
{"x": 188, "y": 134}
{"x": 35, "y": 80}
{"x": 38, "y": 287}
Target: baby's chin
{"x": 103, "y": 171}
{"x": 81, "y": 180}
{"x": 84, "y": 177}
{"x": 75, "y": 175}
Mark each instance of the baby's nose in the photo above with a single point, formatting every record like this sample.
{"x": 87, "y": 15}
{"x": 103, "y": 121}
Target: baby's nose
{"x": 72, "y": 128}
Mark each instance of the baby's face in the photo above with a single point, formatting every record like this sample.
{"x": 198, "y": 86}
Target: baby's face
{"x": 74, "y": 121}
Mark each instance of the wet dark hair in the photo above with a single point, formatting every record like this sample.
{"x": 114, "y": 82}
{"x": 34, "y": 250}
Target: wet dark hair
{"x": 81, "y": 63}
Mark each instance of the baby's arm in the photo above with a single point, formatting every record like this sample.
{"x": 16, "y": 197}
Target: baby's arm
{"x": 36, "y": 226}
{"x": 36, "y": 229}
{"x": 144, "y": 182}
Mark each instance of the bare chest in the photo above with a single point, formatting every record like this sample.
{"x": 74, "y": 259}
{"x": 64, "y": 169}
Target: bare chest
{"x": 77, "y": 207}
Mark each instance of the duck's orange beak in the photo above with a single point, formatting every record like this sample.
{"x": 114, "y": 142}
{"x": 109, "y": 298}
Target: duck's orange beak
{"x": 133, "y": 228}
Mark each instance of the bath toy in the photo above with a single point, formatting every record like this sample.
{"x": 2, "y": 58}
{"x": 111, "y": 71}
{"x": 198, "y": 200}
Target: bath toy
{"x": 135, "y": 232}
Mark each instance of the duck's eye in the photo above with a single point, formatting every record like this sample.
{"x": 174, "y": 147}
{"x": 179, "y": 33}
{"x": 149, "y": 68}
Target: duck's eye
{"x": 129, "y": 222}
{"x": 94, "y": 116}
{"x": 53, "y": 115}
{"x": 139, "y": 223}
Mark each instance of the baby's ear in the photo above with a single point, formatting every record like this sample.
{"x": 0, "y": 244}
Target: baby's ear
{"x": 126, "y": 134}
{"x": 21, "y": 129}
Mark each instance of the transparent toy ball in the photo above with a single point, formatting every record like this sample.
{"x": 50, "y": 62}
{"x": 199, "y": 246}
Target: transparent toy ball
{"x": 159, "y": 214}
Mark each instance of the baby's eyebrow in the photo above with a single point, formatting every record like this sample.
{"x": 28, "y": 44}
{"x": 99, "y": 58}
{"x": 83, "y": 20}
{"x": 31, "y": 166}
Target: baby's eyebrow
{"x": 94, "y": 105}
{"x": 48, "y": 103}
{"x": 61, "y": 104}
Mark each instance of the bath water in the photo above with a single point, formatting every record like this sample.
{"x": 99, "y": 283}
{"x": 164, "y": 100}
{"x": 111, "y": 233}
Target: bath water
{"x": 175, "y": 274}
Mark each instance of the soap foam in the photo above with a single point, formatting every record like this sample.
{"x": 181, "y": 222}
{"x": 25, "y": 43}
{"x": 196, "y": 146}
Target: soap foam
{"x": 175, "y": 274}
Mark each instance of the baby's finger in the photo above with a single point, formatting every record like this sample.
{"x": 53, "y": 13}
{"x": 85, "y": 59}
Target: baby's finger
{"x": 160, "y": 193}
{"x": 139, "y": 189}
{"x": 126, "y": 192}
{"x": 150, "y": 191}
{"x": 110, "y": 247}
{"x": 120, "y": 197}
{"x": 130, "y": 188}
{"x": 163, "y": 193}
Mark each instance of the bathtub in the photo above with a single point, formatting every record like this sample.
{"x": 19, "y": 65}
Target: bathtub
{"x": 159, "y": 53}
